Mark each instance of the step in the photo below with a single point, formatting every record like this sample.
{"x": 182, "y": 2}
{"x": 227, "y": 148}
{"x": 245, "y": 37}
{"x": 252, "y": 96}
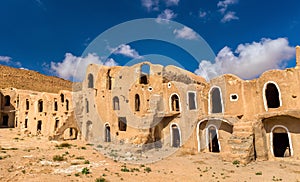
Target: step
{"x": 242, "y": 134}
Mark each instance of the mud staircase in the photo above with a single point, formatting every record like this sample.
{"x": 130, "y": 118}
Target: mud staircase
{"x": 70, "y": 122}
{"x": 241, "y": 144}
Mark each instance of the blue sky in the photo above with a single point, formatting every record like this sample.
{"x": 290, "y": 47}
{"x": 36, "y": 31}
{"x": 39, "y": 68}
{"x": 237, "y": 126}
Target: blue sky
{"x": 50, "y": 36}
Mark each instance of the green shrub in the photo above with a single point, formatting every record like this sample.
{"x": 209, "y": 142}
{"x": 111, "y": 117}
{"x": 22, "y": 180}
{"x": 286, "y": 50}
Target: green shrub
{"x": 85, "y": 171}
{"x": 236, "y": 162}
{"x": 80, "y": 158}
{"x": 258, "y": 173}
{"x": 100, "y": 180}
{"x": 58, "y": 158}
{"x": 86, "y": 162}
{"x": 147, "y": 169}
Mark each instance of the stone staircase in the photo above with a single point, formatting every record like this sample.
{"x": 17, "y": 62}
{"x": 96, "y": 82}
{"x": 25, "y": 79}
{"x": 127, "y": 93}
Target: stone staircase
{"x": 241, "y": 143}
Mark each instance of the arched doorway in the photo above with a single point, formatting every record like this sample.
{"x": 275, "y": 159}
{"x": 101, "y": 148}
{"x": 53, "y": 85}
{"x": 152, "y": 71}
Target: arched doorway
{"x": 107, "y": 133}
{"x": 280, "y": 141}
{"x": 157, "y": 137}
{"x": 212, "y": 139}
{"x": 70, "y": 134}
{"x": 175, "y": 136}
{"x": 39, "y": 127}
{"x": 272, "y": 95}
{"x": 216, "y": 100}
{"x": 209, "y": 131}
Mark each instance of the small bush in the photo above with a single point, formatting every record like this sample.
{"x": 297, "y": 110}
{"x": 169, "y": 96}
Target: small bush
{"x": 99, "y": 146}
{"x": 77, "y": 174}
{"x": 258, "y": 173}
{"x": 134, "y": 169}
{"x": 147, "y": 169}
{"x": 80, "y": 158}
{"x": 236, "y": 162}
{"x": 65, "y": 145}
{"x": 125, "y": 169}
{"x": 100, "y": 179}
{"x": 90, "y": 144}
{"x": 83, "y": 148}
{"x": 86, "y": 162}
{"x": 85, "y": 171}
{"x": 58, "y": 158}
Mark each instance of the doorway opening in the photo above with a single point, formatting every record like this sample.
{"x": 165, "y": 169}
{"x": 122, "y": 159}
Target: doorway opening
{"x": 213, "y": 141}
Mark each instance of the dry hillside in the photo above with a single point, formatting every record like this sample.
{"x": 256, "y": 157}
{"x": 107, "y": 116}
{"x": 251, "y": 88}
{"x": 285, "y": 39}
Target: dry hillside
{"x": 31, "y": 80}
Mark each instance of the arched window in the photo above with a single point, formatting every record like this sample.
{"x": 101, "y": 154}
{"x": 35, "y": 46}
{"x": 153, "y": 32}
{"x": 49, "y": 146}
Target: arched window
{"x": 107, "y": 133}
{"x": 26, "y": 123}
{"x": 55, "y": 105}
{"x": 175, "y": 104}
{"x": 116, "y": 104}
{"x": 137, "y": 102}
{"x": 62, "y": 98}
{"x": 27, "y": 104}
{"x": 39, "y": 126}
{"x": 144, "y": 74}
{"x": 40, "y": 105}
{"x": 90, "y": 81}
{"x": 272, "y": 95}
{"x": 56, "y": 124}
{"x": 216, "y": 100}
{"x": 67, "y": 104}
{"x": 7, "y": 100}
{"x": 109, "y": 80}
{"x": 87, "y": 106}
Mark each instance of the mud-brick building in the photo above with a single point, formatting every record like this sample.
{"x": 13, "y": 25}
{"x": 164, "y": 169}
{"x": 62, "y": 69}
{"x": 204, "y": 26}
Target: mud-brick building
{"x": 169, "y": 107}
{"x": 38, "y": 113}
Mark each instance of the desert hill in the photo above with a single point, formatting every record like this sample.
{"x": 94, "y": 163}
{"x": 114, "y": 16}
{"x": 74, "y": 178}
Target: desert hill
{"x": 31, "y": 80}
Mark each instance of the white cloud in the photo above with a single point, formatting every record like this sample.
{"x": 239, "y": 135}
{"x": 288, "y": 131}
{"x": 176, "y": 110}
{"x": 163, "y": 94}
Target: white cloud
{"x": 8, "y": 61}
{"x": 229, "y": 16}
{"x": 5, "y": 59}
{"x": 75, "y": 67}
{"x": 171, "y": 2}
{"x": 202, "y": 14}
{"x": 185, "y": 33}
{"x": 151, "y": 5}
{"x": 165, "y": 16}
{"x": 125, "y": 50}
{"x": 249, "y": 60}
{"x": 223, "y": 5}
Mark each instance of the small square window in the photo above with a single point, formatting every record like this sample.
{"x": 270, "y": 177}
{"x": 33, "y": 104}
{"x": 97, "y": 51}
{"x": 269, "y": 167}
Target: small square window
{"x": 234, "y": 97}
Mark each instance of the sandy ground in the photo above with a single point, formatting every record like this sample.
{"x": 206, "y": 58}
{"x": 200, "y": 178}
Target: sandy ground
{"x": 25, "y": 158}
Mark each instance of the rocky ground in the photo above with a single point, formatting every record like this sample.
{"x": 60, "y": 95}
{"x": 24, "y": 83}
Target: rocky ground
{"x": 28, "y": 158}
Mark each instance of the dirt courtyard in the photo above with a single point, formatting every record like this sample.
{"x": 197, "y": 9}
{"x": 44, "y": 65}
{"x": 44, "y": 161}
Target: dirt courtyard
{"x": 31, "y": 158}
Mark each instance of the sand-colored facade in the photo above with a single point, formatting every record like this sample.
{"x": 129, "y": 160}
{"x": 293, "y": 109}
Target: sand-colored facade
{"x": 168, "y": 107}
{"x": 38, "y": 113}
